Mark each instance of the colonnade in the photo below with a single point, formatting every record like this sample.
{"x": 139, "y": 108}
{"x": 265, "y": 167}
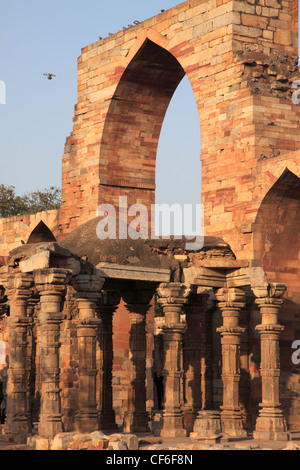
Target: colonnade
{"x": 95, "y": 314}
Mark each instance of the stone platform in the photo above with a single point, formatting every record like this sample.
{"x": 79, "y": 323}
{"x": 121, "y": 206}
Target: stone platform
{"x": 144, "y": 442}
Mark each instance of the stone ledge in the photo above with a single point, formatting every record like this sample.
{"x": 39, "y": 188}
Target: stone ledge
{"x": 85, "y": 441}
{"x": 117, "y": 271}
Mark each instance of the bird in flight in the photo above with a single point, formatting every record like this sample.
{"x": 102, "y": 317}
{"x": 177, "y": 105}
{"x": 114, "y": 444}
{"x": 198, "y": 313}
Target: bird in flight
{"x": 49, "y": 75}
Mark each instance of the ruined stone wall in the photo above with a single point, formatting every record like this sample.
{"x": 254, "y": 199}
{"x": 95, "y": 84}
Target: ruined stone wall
{"x": 16, "y": 230}
{"x": 240, "y": 59}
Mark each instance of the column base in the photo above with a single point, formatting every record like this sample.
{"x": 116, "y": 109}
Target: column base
{"x": 232, "y": 424}
{"x": 16, "y": 438}
{"x": 207, "y": 427}
{"x": 136, "y": 422}
{"x": 189, "y": 418}
{"x": 17, "y": 430}
{"x": 86, "y": 421}
{"x": 271, "y": 436}
{"x": 172, "y": 425}
{"x": 49, "y": 426}
{"x": 271, "y": 426}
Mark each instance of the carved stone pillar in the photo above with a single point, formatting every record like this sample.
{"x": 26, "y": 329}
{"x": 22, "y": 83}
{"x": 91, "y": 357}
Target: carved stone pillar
{"x": 18, "y": 422}
{"x": 207, "y": 425}
{"x": 88, "y": 289}
{"x": 136, "y": 418}
{"x": 38, "y": 363}
{"x": 172, "y": 298}
{"x": 270, "y": 424}
{"x": 51, "y": 285}
{"x": 206, "y": 351}
{"x": 231, "y": 301}
{"x": 192, "y": 352}
{"x": 31, "y": 357}
{"x": 108, "y": 304}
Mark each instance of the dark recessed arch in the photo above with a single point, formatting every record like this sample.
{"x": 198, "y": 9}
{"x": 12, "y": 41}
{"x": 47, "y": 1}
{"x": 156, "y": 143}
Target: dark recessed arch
{"x": 41, "y": 233}
{"x": 276, "y": 239}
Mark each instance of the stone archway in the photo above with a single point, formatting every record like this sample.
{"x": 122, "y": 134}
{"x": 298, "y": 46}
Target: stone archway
{"x": 41, "y": 233}
{"x": 276, "y": 237}
{"x": 214, "y": 45}
{"x": 276, "y": 245}
{"x": 133, "y": 124}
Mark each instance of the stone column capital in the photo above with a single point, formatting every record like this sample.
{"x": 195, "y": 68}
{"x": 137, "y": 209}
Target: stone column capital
{"x": 87, "y": 285}
{"x": 173, "y": 293}
{"x": 18, "y": 285}
{"x": 230, "y": 298}
{"x": 269, "y": 298}
{"x": 231, "y": 331}
{"x": 270, "y": 329}
{"x": 269, "y": 294}
{"x": 51, "y": 280}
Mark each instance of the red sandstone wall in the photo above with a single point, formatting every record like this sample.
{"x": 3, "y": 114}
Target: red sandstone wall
{"x": 109, "y": 154}
{"x": 15, "y": 230}
{"x": 209, "y": 41}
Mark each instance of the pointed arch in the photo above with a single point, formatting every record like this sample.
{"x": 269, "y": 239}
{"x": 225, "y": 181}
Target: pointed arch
{"x": 41, "y": 233}
{"x": 277, "y": 249}
{"x": 276, "y": 240}
{"x": 276, "y": 225}
{"x": 134, "y": 121}
{"x": 148, "y": 34}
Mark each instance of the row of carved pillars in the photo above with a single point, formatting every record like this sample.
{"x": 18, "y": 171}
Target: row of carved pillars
{"x": 94, "y": 323}
{"x": 270, "y": 424}
{"x": 51, "y": 286}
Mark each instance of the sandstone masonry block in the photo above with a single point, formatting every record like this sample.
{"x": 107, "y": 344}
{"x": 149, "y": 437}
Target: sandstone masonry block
{"x": 282, "y": 36}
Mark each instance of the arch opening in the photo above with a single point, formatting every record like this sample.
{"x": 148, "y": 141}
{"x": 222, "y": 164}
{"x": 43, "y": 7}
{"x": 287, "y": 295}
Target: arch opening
{"x": 276, "y": 240}
{"x": 277, "y": 249}
{"x": 178, "y": 164}
{"x": 40, "y": 234}
{"x": 129, "y": 145}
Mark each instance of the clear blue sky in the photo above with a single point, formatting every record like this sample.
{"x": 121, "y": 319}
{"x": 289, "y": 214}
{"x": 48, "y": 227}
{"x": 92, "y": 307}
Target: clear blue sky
{"x": 38, "y": 36}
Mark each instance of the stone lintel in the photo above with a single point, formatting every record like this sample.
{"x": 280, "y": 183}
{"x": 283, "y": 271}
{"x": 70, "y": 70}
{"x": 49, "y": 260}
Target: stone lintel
{"x": 238, "y": 278}
{"x": 233, "y": 273}
{"x": 217, "y": 278}
{"x": 117, "y": 271}
{"x": 38, "y": 261}
{"x": 208, "y": 277}
{"x": 224, "y": 263}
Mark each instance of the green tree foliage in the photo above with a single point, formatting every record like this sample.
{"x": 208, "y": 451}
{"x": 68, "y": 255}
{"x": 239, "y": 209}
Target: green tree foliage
{"x": 30, "y": 203}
